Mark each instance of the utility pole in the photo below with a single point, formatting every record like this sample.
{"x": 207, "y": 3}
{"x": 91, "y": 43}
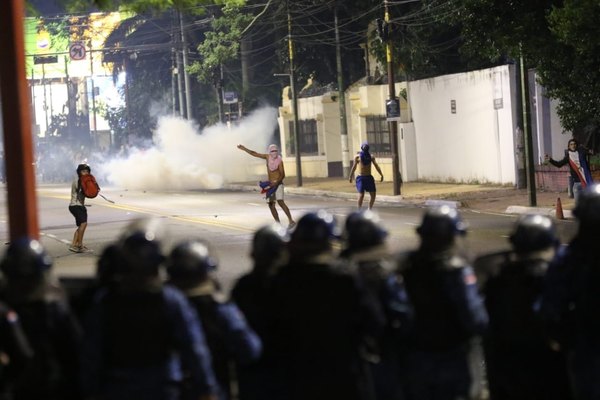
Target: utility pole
{"x": 341, "y": 98}
{"x": 16, "y": 119}
{"x": 180, "y": 85}
{"x": 527, "y": 132}
{"x": 93, "y": 91}
{"x": 173, "y": 82}
{"x": 186, "y": 75}
{"x": 173, "y": 68}
{"x": 393, "y": 125}
{"x": 294, "y": 99}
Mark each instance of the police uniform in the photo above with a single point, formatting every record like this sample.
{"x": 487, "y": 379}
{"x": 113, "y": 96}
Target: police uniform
{"x": 571, "y": 300}
{"x": 138, "y": 344}
{"x": 447, "y": 312}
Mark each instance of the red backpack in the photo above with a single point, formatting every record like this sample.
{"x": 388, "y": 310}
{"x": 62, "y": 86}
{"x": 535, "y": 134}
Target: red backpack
{"x": 89, "y": 186}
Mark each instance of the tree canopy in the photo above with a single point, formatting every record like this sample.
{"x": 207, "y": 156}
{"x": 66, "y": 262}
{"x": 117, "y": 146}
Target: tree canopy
{"x": 558, "y": 38}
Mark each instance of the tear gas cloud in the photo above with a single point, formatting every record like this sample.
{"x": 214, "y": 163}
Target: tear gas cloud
{"x": 183, "y": 157}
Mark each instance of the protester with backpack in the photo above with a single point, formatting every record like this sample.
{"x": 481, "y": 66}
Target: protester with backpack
{"x": 83, "y": 186}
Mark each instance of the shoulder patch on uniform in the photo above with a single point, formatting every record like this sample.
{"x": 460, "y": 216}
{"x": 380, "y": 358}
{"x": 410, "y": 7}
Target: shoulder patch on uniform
{"x": 470, "y": 278}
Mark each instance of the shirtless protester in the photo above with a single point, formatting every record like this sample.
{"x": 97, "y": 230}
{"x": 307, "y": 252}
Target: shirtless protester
{"x": 364, "y": 180}
{"x": 275, "y": 174}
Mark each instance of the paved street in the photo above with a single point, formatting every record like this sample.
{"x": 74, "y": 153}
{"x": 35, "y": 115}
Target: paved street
{"x": 229, "y": 217}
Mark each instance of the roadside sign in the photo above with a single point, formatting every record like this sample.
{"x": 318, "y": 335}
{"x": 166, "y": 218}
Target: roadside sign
{"x": 45, "y": 59}
{"x": 392, "y": 109}
{"x": 77, "y": 51}
{"x": 230, "y": 98}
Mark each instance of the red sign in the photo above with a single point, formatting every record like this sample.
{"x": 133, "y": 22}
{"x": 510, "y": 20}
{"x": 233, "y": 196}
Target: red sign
{"x": 77, "y": 51}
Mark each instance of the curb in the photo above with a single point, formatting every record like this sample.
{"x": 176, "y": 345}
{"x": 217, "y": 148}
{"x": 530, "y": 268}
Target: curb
{"x": 551, "y": 212}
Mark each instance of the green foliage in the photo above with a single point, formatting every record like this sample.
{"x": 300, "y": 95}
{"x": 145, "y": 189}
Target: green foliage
{"x": 222, "y": 44}
{"x": 144, "y": 6}
{"x": 558, "y": 39}
{"x": 571, "y": 72}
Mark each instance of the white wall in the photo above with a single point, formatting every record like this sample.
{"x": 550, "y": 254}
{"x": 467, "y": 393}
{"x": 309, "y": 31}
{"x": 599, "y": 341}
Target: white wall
{"x": 475, "y": 144}
{"x": 550, "y": 136}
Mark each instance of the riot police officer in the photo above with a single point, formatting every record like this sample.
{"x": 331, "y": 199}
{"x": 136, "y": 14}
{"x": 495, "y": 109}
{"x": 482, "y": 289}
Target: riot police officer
{"x": 447, "y": 310}
{"x": 250, "y": 293}
{"x": 318, "y": 317}
{"x": 571, "y": 299}
{"x": 515, "y": 337}
{"x": 190, "y": 266}
{"x": 141, "y": 335}
{"x": 15, "y": 351}
{"x": 49, "y": 325}
{"x": 367, "y": 254}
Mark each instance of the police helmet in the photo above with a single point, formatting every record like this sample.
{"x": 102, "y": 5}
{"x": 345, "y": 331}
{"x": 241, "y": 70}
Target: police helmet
{"x": 587, "y": 207}
{"x": 191, "y": 259}
{"x": 442, "y": 221}
{"x": 269, "y": 242}
{"x": 83, "y": 167}
{"x": 314, "y": 232}
{"x": 363, "y": 230}
{"x": 141, "y": 246}
{"x": 25, "y": 258}
{"x": 533, "y": 232}
{"x": 107, "y": 267}
{"x": 141, "y": 254}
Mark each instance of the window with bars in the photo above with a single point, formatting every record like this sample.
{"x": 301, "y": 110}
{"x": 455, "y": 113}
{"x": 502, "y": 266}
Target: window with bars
{"x": 309, "y": 144}
{"x": 378, "y": 135}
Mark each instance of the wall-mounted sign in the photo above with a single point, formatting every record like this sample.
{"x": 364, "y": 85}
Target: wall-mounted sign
{"x": 392, "y": 109}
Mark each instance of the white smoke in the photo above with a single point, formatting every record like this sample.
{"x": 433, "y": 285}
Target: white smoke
{"x": 185, "y": 158}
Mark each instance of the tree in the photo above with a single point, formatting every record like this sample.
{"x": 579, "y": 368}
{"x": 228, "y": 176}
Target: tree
{"x": 557, "y": 37}
{"x": 572, "y": 72}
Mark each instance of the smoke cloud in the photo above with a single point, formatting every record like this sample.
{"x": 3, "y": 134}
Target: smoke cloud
{"x": 183, "y": 157}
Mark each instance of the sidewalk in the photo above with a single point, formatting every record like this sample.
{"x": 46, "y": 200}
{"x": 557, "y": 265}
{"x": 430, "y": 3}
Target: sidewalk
{"x": 486, "y": 198}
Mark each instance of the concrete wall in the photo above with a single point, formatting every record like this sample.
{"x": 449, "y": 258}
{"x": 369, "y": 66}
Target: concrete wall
{"x": 472, "y": 142}
{"x": 550, "y": 136}
{"x": 454, "y": 128}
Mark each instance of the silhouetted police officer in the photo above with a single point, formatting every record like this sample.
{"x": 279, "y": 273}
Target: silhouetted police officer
{"x": 571, "y": 298}
{"x": 231, "y": 341}
{"x": 107, "y": 275}
{"x": 142, "y": 335}
{"x": 448, "y": 312}
{"x": 319, "y": 317}
{"x": 250, "y": 293}
{"x": 520, "y": 362}
{"x": 15, "y": 352}
{"x": 49, "y": 325}
{"x": 367, "y": 254}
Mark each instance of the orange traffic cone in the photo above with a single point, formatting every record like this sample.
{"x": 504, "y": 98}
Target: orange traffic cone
{"x": 559, "y": 210}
